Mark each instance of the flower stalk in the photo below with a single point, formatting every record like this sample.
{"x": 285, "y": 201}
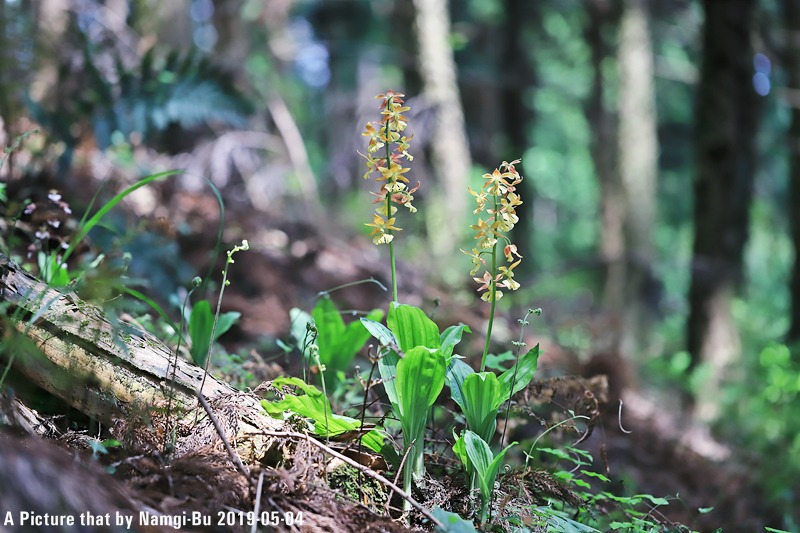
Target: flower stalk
{"x": 498, "y": 199}
{"x": 387, "y": 134}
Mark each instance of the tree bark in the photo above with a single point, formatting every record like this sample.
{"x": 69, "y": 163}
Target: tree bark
{"x": 449, "y": 145}
{"x": 518, "y": 76}
{"x": 791, "y": 11}
{"x": 116, "y": 371}
{"x": 727, "y": 118}
{"x": 603, "y": 20}
{"x": 630, "y": 267}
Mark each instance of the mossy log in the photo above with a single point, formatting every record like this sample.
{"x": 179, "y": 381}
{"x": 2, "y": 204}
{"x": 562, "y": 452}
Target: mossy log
{"x": 114, "y": 370}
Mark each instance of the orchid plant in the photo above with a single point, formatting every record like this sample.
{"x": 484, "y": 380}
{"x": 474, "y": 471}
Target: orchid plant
{"x": 386, "y": 138}
{"x": 415, "y": 360}
{"x": 497, "y": 198}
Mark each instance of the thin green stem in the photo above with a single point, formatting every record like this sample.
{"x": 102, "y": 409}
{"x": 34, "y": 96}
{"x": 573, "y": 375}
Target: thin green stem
{"x": 492, "y": 296}
{"x": 389, "y": 216}
{"x": 325, "y": 404}
{"x": 529, "y": 454}
{"x": 243, "y": 247}
{"x": 524, "y": 322}
{"x": 351, "y": 284}
{"x": 394, "y": 268}
{"x": 214, "y": 323}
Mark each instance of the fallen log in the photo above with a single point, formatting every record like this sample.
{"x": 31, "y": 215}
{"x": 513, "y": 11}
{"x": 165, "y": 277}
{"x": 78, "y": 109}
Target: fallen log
{"x": 117, "y": 371}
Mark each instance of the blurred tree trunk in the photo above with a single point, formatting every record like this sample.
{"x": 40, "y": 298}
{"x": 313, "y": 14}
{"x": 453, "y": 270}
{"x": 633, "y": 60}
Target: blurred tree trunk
{"x": 603, "y": 21}
{"x": 727, "y": 118}
{"x": 630, "y": 259}
{"x": 518, "y": 77}
{"x": 449, "y": 145}
{"x": 791, "y": 11}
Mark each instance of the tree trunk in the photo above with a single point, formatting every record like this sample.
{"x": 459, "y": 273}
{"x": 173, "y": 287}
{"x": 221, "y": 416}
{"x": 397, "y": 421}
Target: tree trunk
{"x": 604, "y": 19}
{"x": 727, "y": 118}
{"x": 630, "y": 271}
{"x": 449, "y": 145}
{"x": 116, "y": 372}
{"x": 518, "y": 77}
{"x": 792, "y": 61}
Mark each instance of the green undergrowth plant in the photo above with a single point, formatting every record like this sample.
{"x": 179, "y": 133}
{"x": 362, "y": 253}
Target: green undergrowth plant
{"x": 602, "y": 509}
{"x": 56, "y": 272}
{"x": 299, "y": 398}
{"x": 476, "y": 456}
{"x": 202, "y": 326}
{"x": 206, "y": 330}
{"x": 324, "y": 334}
{"x": 413, "y": 380}
{"x": 416, "y": 360}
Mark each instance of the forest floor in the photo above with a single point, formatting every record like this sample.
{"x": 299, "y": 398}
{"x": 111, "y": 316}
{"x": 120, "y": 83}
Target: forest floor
{"x": 649, "y": 448}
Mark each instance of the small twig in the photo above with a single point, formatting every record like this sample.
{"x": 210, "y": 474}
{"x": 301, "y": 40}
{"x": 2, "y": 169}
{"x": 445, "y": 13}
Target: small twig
{"x": 364, "y": 413}
{"x": 352, "y": 284}
{"x": 232, "y": 454}
{"x": 174, "y": 365}
{"x": 619, "y": 419}
{"x": 360, "y": 467}
{"x": 256, "y": 507}
{"x": 397, "y": 476}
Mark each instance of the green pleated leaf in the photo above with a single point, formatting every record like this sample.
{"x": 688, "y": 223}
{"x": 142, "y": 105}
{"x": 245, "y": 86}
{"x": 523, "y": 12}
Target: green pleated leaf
{"x": 329, "y": 323}
{"x": 457, "y": 371}
{"x": 338, "y": 342}
{"x": 486, "y": 465}
{"x": 310, "y": 403}
{"x": 383, "y": 334}
{"x": 452, "y": 522}
{"x": 412, "y": 327}
{"x": 200, "y": 323}
{"x": 482, "y": 396}
{"x": 460, "y": 449}
{"x": 420, "y": 380}
{"x": 225, "y": 321}
{"x": 449, "y": 338}
{"x": 387, "y": 365}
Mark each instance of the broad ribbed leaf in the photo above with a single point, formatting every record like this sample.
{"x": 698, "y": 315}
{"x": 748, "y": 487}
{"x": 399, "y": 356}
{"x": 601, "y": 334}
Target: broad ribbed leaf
{"x": 351, "y": 341}
{"x": 457, "y": 371}
{"x": 460, "y": 449}
{"x": 453, "y": 523}
{"x": 200, "y": 323}
{"x": 330, "y": 326}
{"x": 338, "y": 342}
{"x": 420, "y": 380}
{"x": 387, "y": 365}
{"x": 383, "y": 334}
{"x": 225, "y": 321}
{"x": 312, "y": 404}
{"x": 483, "y": 395}
{"x": 486, "y": 466}
{"x": 449, "y": 338}
{"x": 412, "y": 327}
